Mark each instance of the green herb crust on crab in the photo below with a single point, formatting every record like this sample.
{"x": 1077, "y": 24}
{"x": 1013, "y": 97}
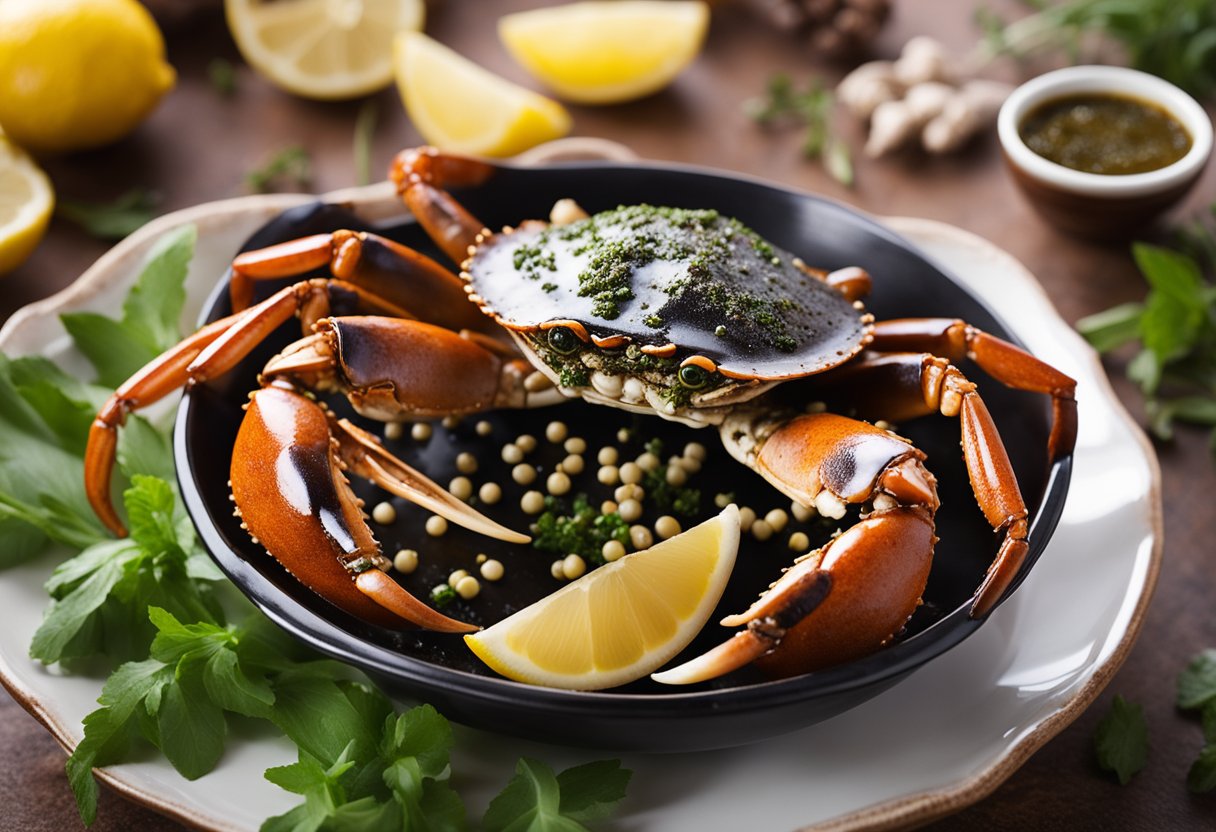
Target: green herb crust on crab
{"x": 661, "y": 276}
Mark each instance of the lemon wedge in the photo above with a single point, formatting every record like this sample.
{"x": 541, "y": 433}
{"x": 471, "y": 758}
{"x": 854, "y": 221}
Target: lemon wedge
{"x": 26, "y": 202}
{"x": 604, "y": 52}
{"x": 459, "y": 106}
{"x": 623, "y": 620}
{"x": 325, "y": 49}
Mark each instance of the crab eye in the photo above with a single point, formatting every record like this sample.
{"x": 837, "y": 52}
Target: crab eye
{"x": 693, "y": 377}
{"x": 563, "y": 340}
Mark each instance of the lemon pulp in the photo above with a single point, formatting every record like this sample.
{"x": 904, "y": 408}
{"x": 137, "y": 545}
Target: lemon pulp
{"x": 325, "y": 49}
{"x": 604, "y": 52}
{"x": 459, "y": 106}
{"x": 26, "y": 202}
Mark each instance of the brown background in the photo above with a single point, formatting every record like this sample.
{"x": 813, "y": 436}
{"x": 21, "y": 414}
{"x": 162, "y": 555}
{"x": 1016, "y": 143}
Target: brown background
{"x": 197, "y": 147}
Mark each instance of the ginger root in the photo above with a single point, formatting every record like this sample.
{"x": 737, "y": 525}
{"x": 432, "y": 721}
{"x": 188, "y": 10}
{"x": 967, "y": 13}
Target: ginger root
{"x": 919, "y": 95}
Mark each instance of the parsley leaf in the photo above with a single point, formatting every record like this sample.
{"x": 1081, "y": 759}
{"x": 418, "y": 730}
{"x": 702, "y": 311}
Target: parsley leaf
{"x": 1202, "y": 775}
{"x": 1197, "y": 683}
{"x": 1176, "y": 327}
{"x": 111, "y": 220}
{"x": 537, "y": 801}
{"x": 1121, "y": 740}
{"x": 101, "y": 596}
{"x": 108, "y": 730}
{"x": 151, "y": 313}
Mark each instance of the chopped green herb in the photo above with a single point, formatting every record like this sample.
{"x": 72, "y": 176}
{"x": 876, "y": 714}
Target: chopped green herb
{"x": 1121, "y": 740}
{"x": 442, "y": 595}
{"x": 110, "y": 220}
{"x": 583, "y": 531}
{"x": 291, "y": 166}
{"x": 365, "y": 131}
{"x": 684, "y": 501}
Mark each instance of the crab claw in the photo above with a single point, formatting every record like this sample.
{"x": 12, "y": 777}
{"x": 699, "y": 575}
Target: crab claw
{"x": 838, "y": 603}
{"x": 293, "y": 498}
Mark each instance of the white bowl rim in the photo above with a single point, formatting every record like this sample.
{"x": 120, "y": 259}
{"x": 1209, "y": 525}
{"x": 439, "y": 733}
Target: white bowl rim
{"x": 1121, "y": 80}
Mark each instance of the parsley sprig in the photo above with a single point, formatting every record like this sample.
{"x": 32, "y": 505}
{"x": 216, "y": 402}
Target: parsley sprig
{"x": 1175, "y": 327}
{"x": 149, "y": 606}
{"x": 1197, "y": 692}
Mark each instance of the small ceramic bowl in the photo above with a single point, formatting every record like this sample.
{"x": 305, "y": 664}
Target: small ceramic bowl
{"x": 1099, "y": 205}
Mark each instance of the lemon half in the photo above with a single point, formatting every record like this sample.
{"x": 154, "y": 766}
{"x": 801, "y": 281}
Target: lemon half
{"x": 459, "y": 106}
{"x": 26, "y": 202}
{"x": 325, "y": 49}
{"x": 604, "y": 52}
{"x": 621, "y": 621}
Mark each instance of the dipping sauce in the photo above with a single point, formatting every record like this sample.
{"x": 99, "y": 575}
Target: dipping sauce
{"x": 1105, "y": 133}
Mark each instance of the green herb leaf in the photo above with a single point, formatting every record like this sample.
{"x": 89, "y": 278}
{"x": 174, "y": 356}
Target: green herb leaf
{"x": 150, "y": 318}
{"x": 592, "y": 791}
{"x": 1113, "y": 327}
{"x": 1121, "y": 740}
{"x": 232, "y": 689}
{"x": 536, "y": 801}
{"x": 1209, "y": 721}
{"x": 1197, "y": 683}
{"x": 291, "y": 165}
{"x": 1202, "y": 775}
{"x": 191, "y": 727}
{"x": 71, "y": 610}
{"x": 111, "y": 220}
{"x": 108, "y": 730}
{"x": 153, "y": 308}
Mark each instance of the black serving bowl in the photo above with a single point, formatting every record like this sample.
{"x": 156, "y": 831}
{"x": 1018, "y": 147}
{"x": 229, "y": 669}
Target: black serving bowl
{"x": 645, "y": 716}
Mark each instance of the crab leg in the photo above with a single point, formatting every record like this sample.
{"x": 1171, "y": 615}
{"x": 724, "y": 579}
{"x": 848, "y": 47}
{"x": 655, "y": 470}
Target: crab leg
{"x": 405, "y": 279}
{"x": 422, "y": 176}
{"x": 919, "y": 384}
{"x": 849, "y": 597}
{"x": 1008, "y": 364}
{"x": 171, "y": 371}
{"x": 293, "y": 498}
{"x": 392, "y": 369}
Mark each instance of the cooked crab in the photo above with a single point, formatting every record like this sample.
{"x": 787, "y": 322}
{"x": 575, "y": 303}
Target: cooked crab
{"x": 684, "y": 313}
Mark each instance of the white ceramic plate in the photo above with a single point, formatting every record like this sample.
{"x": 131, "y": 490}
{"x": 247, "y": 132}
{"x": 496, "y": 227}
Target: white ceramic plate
{"x": 941, "y": 739}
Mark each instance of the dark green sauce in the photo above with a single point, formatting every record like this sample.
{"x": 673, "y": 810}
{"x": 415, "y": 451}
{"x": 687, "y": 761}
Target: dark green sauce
{"x": 1104, "y": 133}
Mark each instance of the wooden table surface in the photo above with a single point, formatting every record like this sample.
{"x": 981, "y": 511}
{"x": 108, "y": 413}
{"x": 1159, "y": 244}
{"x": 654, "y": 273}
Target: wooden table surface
{"x": 197, "y": 146}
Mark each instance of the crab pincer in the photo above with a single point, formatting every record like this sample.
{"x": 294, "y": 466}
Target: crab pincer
{"x": 288, "y": 480}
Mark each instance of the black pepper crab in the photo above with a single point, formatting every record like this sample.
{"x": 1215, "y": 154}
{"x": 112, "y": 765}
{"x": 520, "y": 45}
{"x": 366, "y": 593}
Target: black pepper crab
{"x": 687, "y": 314}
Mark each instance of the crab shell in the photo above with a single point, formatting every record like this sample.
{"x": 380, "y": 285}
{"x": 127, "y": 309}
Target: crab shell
{"x": 750, "y": 311}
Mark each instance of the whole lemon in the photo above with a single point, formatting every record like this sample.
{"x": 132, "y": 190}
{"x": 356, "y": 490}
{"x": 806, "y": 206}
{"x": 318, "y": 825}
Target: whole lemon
{"x": 76, "y": 74}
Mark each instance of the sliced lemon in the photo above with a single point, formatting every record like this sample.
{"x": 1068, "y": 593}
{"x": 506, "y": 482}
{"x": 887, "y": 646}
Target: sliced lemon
{"x": 324, "y": 49}
{"x": 459, "y": 106}
{"x": 26, "y": 202}
{"x": 603, "y": 52}
{"x": 623, "y": 620}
